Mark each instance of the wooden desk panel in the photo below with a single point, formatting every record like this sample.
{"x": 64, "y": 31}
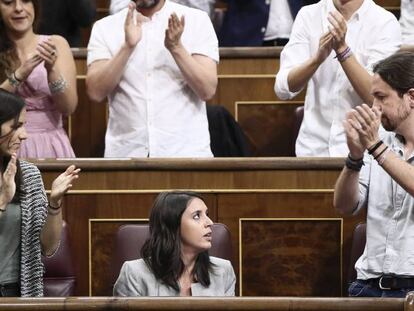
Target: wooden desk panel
{"x": 208, "y": 303}
{"x": 268, "y": 188}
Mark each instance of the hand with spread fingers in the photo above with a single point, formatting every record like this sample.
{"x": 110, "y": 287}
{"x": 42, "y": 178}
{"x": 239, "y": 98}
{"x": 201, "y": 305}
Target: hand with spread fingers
{"x": 325, "y": 47}
{"x": 62, "y": 184}
{"x": 337, "y": 29}
{"x": 48, "y": 52}
{"x": 174, "y": 31}
{"x": 7, "y": 182}
{"x": 133, "y": 25}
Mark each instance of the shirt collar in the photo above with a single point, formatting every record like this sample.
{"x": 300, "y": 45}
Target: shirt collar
{"x": 357, "y": 15}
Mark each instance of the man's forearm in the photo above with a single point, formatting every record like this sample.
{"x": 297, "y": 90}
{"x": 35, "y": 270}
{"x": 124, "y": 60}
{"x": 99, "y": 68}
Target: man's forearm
{"x": 300, "y": 75}
{"x": 346, "y": 194}
{"x": 201, "y": 75}
{"x": 359, "y": 77}
{"x": 104, "y": 76}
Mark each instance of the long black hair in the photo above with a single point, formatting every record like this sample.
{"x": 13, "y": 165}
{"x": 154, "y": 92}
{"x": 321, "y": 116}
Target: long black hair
{"x": 11, "y": 106}
{"x": 9, "y": 60}
{"x": 162, "y": 250}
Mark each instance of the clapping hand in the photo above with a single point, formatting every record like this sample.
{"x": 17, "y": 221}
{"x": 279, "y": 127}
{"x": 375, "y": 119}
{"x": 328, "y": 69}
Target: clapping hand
{"x": 48, "y": 52}
{"x": 174, "y": 31}
{"x": 62, "y": 184}
{"x": 338, "y": 29}
{"x": 361, "y": 128}
{"x": 133, "y": 25}
{"x": 7, "y": 183}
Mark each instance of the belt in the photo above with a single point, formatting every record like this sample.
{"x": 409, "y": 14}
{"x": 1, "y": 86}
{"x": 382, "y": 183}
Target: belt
{"x": 389, "y": 282}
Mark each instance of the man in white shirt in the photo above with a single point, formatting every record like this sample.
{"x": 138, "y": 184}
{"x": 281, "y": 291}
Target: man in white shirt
{"x": 204, "y": 5}
{"x": 156, "y": 61}
{"x": 359, "y": 33}
{"x": 381, "y": 180}
{"x": 407, "y": 21}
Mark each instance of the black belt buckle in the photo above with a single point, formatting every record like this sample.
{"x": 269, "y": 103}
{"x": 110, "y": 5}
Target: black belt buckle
{"x": 383, "y": 287}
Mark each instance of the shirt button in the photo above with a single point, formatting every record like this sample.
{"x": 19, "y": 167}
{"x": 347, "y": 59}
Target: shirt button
{"x": 263, "y": 29}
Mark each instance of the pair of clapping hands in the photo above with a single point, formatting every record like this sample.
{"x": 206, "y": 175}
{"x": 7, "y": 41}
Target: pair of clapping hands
{"x": 45, "y": 51}
{"x": 59, "y": 186}
{"x": 361, "y": 128}
{"x": 334, "y": 38}
{"x": 133, "y": 30}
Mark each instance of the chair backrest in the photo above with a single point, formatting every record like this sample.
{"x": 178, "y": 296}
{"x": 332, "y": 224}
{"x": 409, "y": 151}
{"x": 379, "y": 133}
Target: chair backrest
{"x": 358, "y": 244}
{"x": 130, "y": 238}
{"x": 298, "y": 121}
{"x": 59, "y": 279}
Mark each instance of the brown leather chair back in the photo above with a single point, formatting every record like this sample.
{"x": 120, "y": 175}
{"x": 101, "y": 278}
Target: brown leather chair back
{"x": 130, "y": 238}
{"x": 358, "y": 244}
{"x": 59, "y": 278}
{"x": 298, "y": 121}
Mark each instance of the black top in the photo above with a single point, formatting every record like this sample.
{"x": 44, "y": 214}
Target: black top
{"x": 65, "y": 17}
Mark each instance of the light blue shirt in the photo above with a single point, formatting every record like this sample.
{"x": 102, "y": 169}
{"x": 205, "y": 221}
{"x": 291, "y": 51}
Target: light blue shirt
{"x": 390, "y": 218}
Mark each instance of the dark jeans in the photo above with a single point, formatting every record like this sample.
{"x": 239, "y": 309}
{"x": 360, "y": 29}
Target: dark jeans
{"x": 362, "y": 288}
{"x": 10, "y": 290}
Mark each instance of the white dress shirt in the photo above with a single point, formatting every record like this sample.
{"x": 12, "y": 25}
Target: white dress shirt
{"x": 390, "y": 223}
{"x": 280, "y": 20}
{"x": 407, "y": 21}
{"x": 153, "y": 112}
{"x": 373, "y": 33}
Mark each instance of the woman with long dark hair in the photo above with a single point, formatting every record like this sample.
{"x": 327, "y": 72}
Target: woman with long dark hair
{"x": 29, "y": 224}
{"x": 175, "y": 259}
{"x": 41, "y": 70}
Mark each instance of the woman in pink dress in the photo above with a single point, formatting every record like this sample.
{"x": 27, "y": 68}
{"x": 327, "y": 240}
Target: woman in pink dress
{"x": 40, "y": 69}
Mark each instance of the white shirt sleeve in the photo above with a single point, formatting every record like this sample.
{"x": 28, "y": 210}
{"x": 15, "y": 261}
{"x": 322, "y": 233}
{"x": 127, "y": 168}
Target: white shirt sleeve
{"x": 205, "y": 41}
{"x": 97, "y": 47}
{"x": 117, "y": 5}
{"x": 296, "y": 52}
{"x": 387, "y": 42}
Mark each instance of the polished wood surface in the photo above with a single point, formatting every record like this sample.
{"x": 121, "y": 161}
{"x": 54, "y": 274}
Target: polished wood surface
{"x": 195, "y": 303}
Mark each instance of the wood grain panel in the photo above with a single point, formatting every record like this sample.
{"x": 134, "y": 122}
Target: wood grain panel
{"x": 270, "y": 127}
{"x": 297, "y": 257}
{"x": 230, "y": 66}
{"x": 88, "y": 125}
{"x": 208, "y": 303}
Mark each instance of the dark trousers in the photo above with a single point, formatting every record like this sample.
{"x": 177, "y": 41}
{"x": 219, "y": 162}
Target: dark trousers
{"x": 363, "y": 288}
{"x": 10, "y": 290}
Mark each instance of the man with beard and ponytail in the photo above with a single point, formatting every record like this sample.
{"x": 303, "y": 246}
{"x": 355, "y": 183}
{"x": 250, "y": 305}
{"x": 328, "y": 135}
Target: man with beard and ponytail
{"x": 378, "y": 175}
{"x": 156, "y": 61}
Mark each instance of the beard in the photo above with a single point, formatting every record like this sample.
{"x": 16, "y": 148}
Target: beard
{"x": 146, "y": 4}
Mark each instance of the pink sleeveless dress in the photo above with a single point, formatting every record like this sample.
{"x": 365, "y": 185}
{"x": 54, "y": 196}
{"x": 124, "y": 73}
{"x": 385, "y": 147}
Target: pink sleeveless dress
{"x": 46, "y": 136}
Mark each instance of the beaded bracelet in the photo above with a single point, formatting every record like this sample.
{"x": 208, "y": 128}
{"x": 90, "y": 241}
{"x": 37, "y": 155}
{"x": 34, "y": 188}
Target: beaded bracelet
{"x": 58, "y": 86}
{"x": 344, "y": 54}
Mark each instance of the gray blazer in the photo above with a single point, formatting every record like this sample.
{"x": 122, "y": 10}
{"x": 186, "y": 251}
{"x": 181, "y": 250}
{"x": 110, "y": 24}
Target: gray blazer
{"x": 136, "y": 279}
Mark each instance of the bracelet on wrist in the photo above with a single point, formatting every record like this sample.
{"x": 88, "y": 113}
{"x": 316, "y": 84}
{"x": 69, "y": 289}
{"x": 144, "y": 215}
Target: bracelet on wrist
{"x": 381, "y": 160}
{"x": 13, "y": 80}
{"x": 55, "y": 208}
{"x": 374, "y": 147}
{"x": 380, "y": 153}
{"x": 344, "y": 54}
{"x": 58, "y": 86}
{"x": 53, "y": 212}
{"x": 354, "y": 165}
